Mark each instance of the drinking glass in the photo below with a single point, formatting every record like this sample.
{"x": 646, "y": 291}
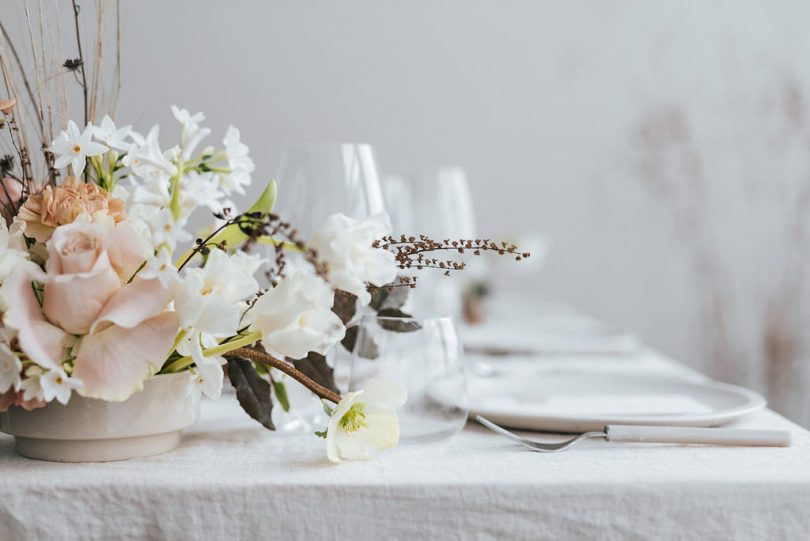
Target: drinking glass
{"x": 316, "y": 180}
{"x": 425, "y": 356}
{"x": 443, "y": 209}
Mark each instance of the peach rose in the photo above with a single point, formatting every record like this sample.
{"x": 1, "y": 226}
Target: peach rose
{"x": 61, "y": 205}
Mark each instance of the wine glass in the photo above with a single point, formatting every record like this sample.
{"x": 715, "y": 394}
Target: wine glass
{"x": 443, "y": 209}
{"x": 424, "y": 355}
{"x": 316, "y": 180}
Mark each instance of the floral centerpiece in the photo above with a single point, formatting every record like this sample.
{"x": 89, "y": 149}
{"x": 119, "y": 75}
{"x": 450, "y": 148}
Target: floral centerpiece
{"x": 103, "y": 287}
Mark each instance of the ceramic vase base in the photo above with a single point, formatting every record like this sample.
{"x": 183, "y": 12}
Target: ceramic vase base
{"x": 102, "y": 450}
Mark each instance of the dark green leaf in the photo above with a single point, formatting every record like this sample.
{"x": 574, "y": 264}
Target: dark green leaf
{"x": 252, "y": 392}
{"x": 281, "y": 395}
{"x": 315, "y": 367}
{"x": 321, "y": 434}
{"x": 382, "y": 298}
{"x": 367, "y": 350}
{"x": 345, "y": 305}
{"x": 403, "y": 325}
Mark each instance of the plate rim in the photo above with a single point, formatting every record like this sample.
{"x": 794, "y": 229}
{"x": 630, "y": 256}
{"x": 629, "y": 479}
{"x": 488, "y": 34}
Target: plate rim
{"x": 754, "y": 401}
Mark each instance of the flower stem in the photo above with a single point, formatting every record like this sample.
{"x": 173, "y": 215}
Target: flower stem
{"x": 225, "y": 347}
{"x": 175, "y": 188}
{"x": 290, "y": 370}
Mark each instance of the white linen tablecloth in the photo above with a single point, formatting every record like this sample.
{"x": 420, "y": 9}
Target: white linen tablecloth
{"x": 233, "y": 479}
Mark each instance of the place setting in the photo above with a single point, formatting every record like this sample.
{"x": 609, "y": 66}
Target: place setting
{"x": 346, "y": 272}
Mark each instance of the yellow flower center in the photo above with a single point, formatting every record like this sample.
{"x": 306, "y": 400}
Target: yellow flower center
{"x": 354, "y": 419}
{"x": 77, "y": 148}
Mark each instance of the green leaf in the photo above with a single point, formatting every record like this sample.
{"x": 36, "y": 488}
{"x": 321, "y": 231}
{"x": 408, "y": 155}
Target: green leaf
{"x": 252, "y": 392}
{"x": 327, "y": 408}
{"x": 232, "y": 236}
{"x": 281, "y": 395}
{"x": 267, "y": 200}
{"x": 316, "y": 368}
{"x": 405, "y": 325}
{"x": 321, "y": 433}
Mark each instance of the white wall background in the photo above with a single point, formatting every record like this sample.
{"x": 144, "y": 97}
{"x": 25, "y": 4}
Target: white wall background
{"x": 540, "y": 101}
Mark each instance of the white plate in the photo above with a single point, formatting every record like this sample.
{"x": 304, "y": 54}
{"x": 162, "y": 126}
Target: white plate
{"x": 569, "y": 401}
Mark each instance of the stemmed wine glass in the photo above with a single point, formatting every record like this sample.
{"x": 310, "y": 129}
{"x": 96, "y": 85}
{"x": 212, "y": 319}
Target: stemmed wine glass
{"x": 316, "y": 180}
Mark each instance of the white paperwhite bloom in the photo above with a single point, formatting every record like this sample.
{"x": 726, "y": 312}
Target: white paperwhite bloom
{"x": 345, "y": 245}
{"x": 144, "y": 156}
{"x": 74, "y": 147}
{"x": 239, "y": 163}
{"x": 191, "y": 123}
{"x": 12, "y": 248}
{"x": 365, "y": 420}
{"x": 10, "y": 368}
{"x": 211, "y": 299}
{"x": 55, "y": 384}
{"x": 30, "y": 386}
{"x": 162, "y": 267}
{"x": 201, "y": 190}
{"x": 207, "y": 372}
{"x": 110, "y": 135}
{"x": 296, "y": 317}
{"x": 164, "y": 229}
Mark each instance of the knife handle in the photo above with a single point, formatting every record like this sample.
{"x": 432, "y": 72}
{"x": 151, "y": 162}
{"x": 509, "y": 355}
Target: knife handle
{"x": 690, "y": 435}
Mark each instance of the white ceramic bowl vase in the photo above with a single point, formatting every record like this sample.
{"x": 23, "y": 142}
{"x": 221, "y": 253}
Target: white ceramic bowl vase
{"x": 89, "y": 430}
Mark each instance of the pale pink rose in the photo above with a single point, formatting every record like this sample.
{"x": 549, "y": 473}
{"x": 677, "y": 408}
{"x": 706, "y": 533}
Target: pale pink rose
{"x": 87, "y": 264}
{"x": 15, "y": 398}
{"x": 61, "y": 205}
{"x": 126, "y": 332}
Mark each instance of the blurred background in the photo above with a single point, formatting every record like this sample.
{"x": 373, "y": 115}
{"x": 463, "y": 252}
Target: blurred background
{"x": 661, "y": 147}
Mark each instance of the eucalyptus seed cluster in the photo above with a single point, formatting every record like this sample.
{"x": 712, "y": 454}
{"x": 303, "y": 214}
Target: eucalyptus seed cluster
{"x": 416, "y": 252}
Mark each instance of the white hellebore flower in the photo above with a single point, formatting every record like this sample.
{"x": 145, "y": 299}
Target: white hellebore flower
{"x": 345, "y": 245}
{"x": 10, "y": 368}
{"x": 210, "y": 299}
{"x": 111, "y": 135}
{"x": 74, "y": 147}
{"x": 365, "y": 420}
{"x": 296, "y": 317}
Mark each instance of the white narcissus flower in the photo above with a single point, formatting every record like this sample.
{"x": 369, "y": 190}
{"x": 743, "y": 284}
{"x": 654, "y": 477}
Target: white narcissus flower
{"x": 365, "y": 420}
{"x": 345, "y": 245}
{"x": 191, "y": 123}
{"x": 10, "y": 368}
{"x": 74, "y": 147}
{"x": 239, "y": 163}
{"x": 55, "y": 384}
{"x": 30, "y": 386}
{"x": 162, "y": 267}
{"x": 296, "y": 317}
{"x": 110, "y": 135}
{"x": 145, "y": 156}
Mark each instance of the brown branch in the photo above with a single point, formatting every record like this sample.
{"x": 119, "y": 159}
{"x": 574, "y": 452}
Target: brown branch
{"x": 287, "y": 368}
{"x": 76, "y": 10}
